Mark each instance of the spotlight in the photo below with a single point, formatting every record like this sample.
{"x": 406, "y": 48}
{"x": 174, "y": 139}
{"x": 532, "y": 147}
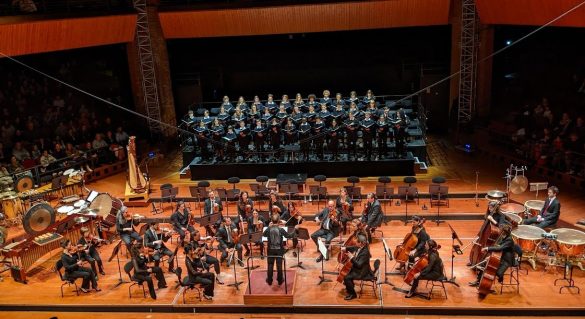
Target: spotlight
{"x": 508, "y": 42}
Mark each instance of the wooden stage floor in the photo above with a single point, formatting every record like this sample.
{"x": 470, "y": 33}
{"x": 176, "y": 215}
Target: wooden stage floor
{"x": 537, "y": 294}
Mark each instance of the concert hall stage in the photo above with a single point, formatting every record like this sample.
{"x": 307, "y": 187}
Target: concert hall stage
{"x": 390, "y": 167}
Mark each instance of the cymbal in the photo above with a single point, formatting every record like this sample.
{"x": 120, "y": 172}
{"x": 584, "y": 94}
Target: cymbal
{"x": 38, "y": 218}
{"x": 519, "y": 184}
{"x": 80, "y": 220}
{"x": 496, "y": 194}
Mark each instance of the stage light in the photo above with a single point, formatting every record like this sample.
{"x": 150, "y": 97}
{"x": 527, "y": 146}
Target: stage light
{"x": 151, "y": 155}
{"x": 468, "y": 147}
{"x": 508, "y": 42}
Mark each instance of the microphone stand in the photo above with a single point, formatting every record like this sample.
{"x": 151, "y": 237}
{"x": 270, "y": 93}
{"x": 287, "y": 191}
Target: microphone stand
{"x": 453, "y": 252}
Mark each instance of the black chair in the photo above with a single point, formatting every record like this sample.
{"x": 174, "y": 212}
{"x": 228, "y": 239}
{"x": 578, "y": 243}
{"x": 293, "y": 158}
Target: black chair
{"x": 168, "y": 195}
{"x": 64, "y": 278}
{"x": 135, "y": 282}
{"x": 262, "y": 191}
{"x": 354, "y": 192}
{"x": 234, "y": 193}
{"x": 372, "y": 281}
{"x": 187, "y": 287}
{"x": 513, "y": 273}
{"x": 437, "y": 284}
{"x": 319, "y": 191}
{"x": 439, "y": 194}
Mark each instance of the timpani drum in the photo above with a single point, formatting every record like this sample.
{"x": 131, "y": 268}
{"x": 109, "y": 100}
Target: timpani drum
{"x": 527, "y": 237}
{"x": 514, "y": 219}
{"x": 512, "y": 208}
{"x": 570, "y": 242}
{"x": 533, "y": 207}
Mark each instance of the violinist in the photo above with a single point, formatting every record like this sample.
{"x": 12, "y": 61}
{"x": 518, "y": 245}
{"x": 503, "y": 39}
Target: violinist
{"x": 274, "y": 233}
{"x": 73, "y": 269}
{"x": 228, "y": 237}
{"x": 181, "y": 220}
{"x": 245, "y": 205}
{"x": 329, "y": 227}
{"x": 256, "y": 223}
{"x": 194, "y": 275}
{"x": 142, "y": 271}
{"x": 433, "y": 270}
{"x": 373, "y": 215}
{"x": 343, "y": 204}
{"x": 360, "y": 260}
{"x": 506, "y": 246}
{"x": 291, "y": 218}
{"x": 89, "y": 250}
{"x": 155, "y": 240}
{"x": 213, "y": 206}
{"x": 125, "y": 223}
{"x": 419, "y": 231}
{"x": 276, "y": 201}
{"x": 202, "y": 259}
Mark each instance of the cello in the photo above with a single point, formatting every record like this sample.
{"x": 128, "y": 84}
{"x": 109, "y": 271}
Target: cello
{"x": 408, "y": 244}
{"x": 418, "y": 266}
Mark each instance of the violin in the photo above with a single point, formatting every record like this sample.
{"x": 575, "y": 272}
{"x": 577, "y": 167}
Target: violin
{"x": 296, "y": 214}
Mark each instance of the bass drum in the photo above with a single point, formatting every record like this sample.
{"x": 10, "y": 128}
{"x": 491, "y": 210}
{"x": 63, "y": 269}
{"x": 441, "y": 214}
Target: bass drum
{"x": 24, "y": 183}
{"x": 104, "y": 205}
{"x": 38, "y": 218}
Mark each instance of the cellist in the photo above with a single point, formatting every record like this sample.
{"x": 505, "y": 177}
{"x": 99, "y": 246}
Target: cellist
{"x": 419, "y": 231}
{"x": 360, "y": 259}
{"x": 506, "y": 246}
{"x": 494, "y": 215}
{"x": 433, "y": 270}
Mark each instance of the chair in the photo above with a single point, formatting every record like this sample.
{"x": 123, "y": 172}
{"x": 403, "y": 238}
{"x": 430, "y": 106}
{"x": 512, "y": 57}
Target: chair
{"x": 353, "y": 191}
{"x": 262, "y": 191}
{"x": 234, "y": 193}
{"x": 135, "y": 282}
{"x": 439, "y": 284}
{"x": 513, "y": 273}
{"x": 439, "y": 194}
{"x": 383, "y": 192}
{"x": 291, "y": 188}
{"x": 319, "y": 191}
{"x": 168, "y": 194}
{"x": 187, "y": 287}
{"x": 372, "y": 281}
{"x": 64, "y": 278}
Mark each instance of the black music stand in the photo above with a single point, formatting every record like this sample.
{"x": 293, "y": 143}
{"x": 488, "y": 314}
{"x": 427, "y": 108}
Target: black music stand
{"x": 302, "y": 234}
{"x": 236, "y": 282}
{"x": 208, "y": 220}
{"x": 455, "y": 249}
{"x": 322, "y": 248}
{"x": 387, "y": 256}
{"x": 115, "y": 252}
{"x": 169, "y": 194}
{"x": 568, "y": 268}
{"x": 249, "y": 239}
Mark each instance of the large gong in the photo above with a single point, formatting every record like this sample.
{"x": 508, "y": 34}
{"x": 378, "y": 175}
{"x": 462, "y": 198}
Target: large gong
{"x": 38, "y": 218}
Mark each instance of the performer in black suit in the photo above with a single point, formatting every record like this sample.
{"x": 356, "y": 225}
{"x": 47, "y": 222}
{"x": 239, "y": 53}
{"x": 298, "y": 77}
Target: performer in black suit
{"x": 256, "y": 223}
{"x": 304, "y": 138}
{"x": 155, "y": 239}
{"x": 494, "y": 215}
{"x": 143, "y": 272}
{"x": 243, "y": 139}
{"x": 259, "y": 132}
{"x": 433, "y": 270}
{"x": 329, "y": 226}
{"x": 180, "y": 220}
{"x": 549, "y": 215}
{"x": 318, "y": 137}
{"x": 276, "y": 248}
{"x": 506, "y": 246}
{"x": 373, "y": 216}
{"x": 225, "y": 236}
{"x": 382, "y": 137}
{"x": 334, "y": 134}
{"x": 360, "y": 260}
{"x": 73, "y": 269}
{"x": 420, "y": 232}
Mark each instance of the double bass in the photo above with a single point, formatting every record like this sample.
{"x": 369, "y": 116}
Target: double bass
{"x": 487, "y": 236}
{"x": 409, "y": 242}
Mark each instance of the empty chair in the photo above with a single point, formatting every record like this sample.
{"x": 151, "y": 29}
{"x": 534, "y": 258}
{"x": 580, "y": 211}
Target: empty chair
{"x": 439, "y": 194}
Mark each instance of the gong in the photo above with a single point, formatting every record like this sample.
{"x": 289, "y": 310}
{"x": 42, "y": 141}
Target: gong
{"x": 24, "y": 183}
{"x": 38, "y": 218}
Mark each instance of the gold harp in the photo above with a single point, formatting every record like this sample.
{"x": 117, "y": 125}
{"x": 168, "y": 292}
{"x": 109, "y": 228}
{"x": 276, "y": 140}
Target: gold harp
{"x": 136, "y": 180}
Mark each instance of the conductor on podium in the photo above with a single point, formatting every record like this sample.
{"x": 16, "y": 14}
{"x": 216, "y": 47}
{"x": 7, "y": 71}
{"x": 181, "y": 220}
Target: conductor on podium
{"x": 276, "y": 248}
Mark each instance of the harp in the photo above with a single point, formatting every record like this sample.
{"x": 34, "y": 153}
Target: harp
{"x": 135, "y": 179}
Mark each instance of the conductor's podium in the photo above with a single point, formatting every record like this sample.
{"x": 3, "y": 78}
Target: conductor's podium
{"x": 259, "y": 293}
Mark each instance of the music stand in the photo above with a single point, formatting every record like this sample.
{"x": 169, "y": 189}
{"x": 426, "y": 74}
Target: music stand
{"x": 207, "y": 220}
{"x": 265, "y": 214}
{"x": 387, "y": 256}
{"x": 170, "y": 194}
{"x": 303, "y": 234}
{"x": 323, "y": 251}
{"x": 236, "y": 282}
{"x": 115, "y": 252}
{"x": 249, "y": 239}
{"x": 440, "y": 191}
{"x": 455, "y": 249}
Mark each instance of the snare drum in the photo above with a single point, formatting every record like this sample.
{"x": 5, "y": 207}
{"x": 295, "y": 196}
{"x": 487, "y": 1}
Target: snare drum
{"x": 533, "y": 207}
{"x": 571, "y": 242}
{"x": 527, "y": 237}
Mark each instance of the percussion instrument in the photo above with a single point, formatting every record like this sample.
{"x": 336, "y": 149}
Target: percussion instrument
{"x": 512, "y": 208}
{"x": 495, "y": 195}
{"x": 68, "y": 172}
{"x": 528, "y": 237}
{"x": 80, "y": 219}
{"x": 64, "y": 209}
{"x": 73, "y": 211}
{"x": 12, "y": 206}
{"x": 24, "y": 183}
{"x": 533, "y": 207}
{"x": 519, "y": 184}
{"x": 570, "y": 242}
{"x": 80, "y": 203}
{"x": 514, "y": 219}
{"x": 38, "y": 218}
{"x": 69, "y": 199}
{"x": 105, "y": 205}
